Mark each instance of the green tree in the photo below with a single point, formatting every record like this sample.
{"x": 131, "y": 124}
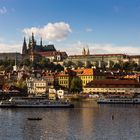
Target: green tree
{"x": 128, "y": 66}
{"x": 2, "y": 67}
{"x": 116, "y": 66}
{"x": 88, "y": 64}
{"x": 134, "y": 65}
{"x": 69, "y": 64}
{"x": 111, "y": 64}
{"x": 58, "y": 67}
{"x": 21, "y": 84}
{"x": 103, "y": 65}
{"x": 80, "y": 64}
{"x": 43, "y": 61}
{"x": 26, "y": 62}
{"x": 76, "y": 85}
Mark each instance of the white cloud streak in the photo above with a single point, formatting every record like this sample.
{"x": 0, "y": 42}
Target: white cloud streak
{"x": 52, "y": 31}
{"x": 3, "y": 10}
{"x": 10, "y": 47}
{"x": 89, "y": 30}
{"x": 97, "y": 48}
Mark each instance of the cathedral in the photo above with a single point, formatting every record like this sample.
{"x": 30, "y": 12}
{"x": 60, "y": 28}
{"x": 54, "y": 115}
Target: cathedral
{"x": 32, "y": 51}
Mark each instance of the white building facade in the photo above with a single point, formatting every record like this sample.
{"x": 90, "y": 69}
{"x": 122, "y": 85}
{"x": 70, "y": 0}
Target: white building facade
{"x": 37, "y": 86}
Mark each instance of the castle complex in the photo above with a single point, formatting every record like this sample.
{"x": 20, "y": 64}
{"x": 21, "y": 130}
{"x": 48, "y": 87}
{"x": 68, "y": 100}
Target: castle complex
{"x": 32, "y": 51}
{"x": 99, "y": 59}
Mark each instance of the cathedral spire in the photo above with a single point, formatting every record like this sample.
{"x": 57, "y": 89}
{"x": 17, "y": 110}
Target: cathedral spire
{"x": 24, "y": 47}
{"x": 41, "y": 41}
{"x": 32, "y": 37}
{"x": 88, "y": 53}
{"x": 84, "y": 51}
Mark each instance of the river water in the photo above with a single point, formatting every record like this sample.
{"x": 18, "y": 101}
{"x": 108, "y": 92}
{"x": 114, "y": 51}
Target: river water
{"x": 87, "y": 121}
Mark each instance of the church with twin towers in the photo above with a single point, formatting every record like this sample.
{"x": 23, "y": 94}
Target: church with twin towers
{"x": 32, "y": 50}
{"x": 100, "y": 60}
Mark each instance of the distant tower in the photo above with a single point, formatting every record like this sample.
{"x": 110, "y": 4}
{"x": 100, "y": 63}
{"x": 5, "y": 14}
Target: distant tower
{"x": 99, "y": 64}
{"x": 33, "y": 37}
{"x": 88, "y": 53}
{"x": 31, "y": 44}
{"x": 15, "y": 66}
{"x": 32, "y": 53}
{"x": 33, "y": 40}
{"x": 84, "y": 51}
{"x": 41, "y": 42}
{"x": 24, "y": 47}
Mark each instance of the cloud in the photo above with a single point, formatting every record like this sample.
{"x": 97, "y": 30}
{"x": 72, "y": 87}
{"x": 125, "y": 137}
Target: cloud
{"x": 3, "y": 10}
{"x": 98, "y": 48}
{"x": 89, "y": 30}
{"x": 10, "y": 47}
{"x": 2, "y": 39}
{"x": 52, "y": 31}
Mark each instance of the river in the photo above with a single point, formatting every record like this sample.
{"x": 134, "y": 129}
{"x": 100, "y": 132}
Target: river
{"x": 87, "y": 121}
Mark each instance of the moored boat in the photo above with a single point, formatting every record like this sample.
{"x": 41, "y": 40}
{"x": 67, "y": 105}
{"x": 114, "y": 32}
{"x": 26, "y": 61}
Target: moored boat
{"x": 37, "y": 119}
{"x": 119, "y": 99}
{"x": 34, "y": 102}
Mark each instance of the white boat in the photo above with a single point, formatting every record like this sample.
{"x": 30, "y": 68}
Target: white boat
{"x": 118, "y": 101}
{"x": 34, "y": 102}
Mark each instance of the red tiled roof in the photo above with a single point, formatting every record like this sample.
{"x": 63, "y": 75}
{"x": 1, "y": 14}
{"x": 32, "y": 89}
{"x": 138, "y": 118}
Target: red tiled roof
{"x": 98, "y": 55}
{"x": 49, "y": 53}
{"x": 134, "y": 56}
{"x": 84, "y": 72}
{"x": 112, "y": 83}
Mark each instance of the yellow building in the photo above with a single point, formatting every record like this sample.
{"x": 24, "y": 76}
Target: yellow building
{"x": 86, "y": 75}
{"x": 64, "y": 78}
{"x": 52, "y": 96}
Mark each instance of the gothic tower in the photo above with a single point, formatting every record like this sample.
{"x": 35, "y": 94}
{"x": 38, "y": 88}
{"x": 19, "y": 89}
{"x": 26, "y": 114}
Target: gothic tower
{"x": 41, "y": 42}
{"x": 24, "y": 47}
{"x": 88, "y": 53}
{"x": 84, "y": 51}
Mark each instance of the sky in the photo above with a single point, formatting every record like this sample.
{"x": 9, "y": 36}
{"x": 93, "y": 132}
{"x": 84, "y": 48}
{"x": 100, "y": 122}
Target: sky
{"x": 103, "y": 26}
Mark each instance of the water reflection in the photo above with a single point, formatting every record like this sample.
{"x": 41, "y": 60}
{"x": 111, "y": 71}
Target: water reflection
{"x": 88, "y": 121}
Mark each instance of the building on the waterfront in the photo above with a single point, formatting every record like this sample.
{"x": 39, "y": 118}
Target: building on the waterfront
{"x": 60, "y": 93}
{"x": 32, "y": 50}
{"x": 135, "y": 58}
{"x": 85, "y": 74}
{"x": 101, "y": 59}
{"x": 52, "y": 94}
{"x": 64, "y": 78}
{"x": 36, "y": 86}
{"x": 49, "y": 76}
{"x": 112, "y": 86}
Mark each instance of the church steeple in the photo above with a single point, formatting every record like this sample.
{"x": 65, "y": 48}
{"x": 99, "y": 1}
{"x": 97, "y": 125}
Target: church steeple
{"x": 24, "y": 47}
{"x": 41, "y": 42}
{"x": 33, "y": 37}
{"x": 84, "y": 51}
{"x": 88, "y": 53}
{"x": 33, "y": 41}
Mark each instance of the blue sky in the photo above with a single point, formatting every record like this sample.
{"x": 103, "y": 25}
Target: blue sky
{"x": 105, "y": 26}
